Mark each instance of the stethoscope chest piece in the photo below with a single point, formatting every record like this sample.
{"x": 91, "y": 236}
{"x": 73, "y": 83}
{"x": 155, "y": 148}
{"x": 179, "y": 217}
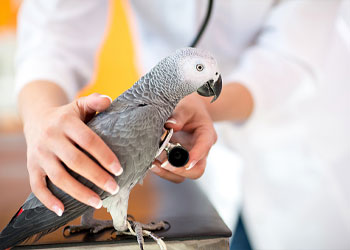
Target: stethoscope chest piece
{"x": 177, "y": 155}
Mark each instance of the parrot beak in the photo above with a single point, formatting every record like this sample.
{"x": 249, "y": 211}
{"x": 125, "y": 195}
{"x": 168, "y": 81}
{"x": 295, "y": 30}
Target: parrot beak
{"x": 211, "y": 88}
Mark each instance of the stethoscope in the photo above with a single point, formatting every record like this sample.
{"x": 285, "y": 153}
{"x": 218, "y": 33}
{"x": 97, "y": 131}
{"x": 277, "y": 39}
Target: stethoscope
{"x": 177, "y": 155}
{"x": 204, "y": 24}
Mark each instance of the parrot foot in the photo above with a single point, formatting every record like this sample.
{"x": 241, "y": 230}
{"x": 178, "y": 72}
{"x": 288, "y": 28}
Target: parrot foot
{"x": 100, "y": 225}
{"x": 96, "y": 226}
{"x": 140, "y": 230}
{"x": 88, "y": 223}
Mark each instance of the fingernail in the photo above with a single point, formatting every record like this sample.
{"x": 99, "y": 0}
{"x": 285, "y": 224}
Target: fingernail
{"x": 116, "y": 169}
{"x": 111, "y": 187}
{"x": 171, "y": 120}
{"x": 57, "y": 210}
{"x": 95, "y": 202}
{"x": 166, "y": 165}
{"x": 193, "y": 163}
{"x": 155, "y": 169}
{"x": 153, "y": 166}
{"x": 106, "y": 96}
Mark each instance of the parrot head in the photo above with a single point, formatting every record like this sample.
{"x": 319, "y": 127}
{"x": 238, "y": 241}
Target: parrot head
{"x": 199, "y": 72}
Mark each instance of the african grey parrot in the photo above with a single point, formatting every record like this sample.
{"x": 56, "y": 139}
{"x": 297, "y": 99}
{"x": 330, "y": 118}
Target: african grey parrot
{"x": 132, "y": 127}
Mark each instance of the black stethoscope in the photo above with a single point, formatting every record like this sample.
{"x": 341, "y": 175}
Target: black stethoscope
{"x": 177, "y": 155}
{"x": 204, "y": 24}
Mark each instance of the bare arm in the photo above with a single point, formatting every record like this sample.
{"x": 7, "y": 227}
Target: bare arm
{"x": 46, "y": 95}
{"x": 235, "y": 104}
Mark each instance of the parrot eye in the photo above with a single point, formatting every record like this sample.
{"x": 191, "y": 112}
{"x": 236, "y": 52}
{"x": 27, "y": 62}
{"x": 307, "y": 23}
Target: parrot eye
{"x": 200, "y": 67}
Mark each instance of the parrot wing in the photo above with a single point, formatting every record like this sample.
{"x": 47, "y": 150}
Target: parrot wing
{"x": 134, "y": 137}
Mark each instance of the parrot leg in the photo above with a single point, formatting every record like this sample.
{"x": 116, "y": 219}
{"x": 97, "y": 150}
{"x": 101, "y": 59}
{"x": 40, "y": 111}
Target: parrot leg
{"x": 88, "y": 223}
{"x": 140, "y": 230}
{"x": 151, "y": 226}
{"x": 95, "y": 225}
{"x": 124, "y": 224}
{"x": 145, "y": 230}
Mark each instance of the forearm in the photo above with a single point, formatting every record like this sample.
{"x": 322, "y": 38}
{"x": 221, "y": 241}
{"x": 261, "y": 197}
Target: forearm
{"x": 235, "y": 104}
{"x": 38, "y": 96}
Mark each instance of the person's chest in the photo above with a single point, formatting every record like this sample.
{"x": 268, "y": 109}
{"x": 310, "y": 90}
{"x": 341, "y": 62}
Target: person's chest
{"x": 160, "y": 27}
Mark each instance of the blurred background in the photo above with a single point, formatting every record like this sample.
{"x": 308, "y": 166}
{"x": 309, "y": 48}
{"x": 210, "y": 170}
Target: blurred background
{"x": 9, "y": 121}
{"x": 116, "y": 51}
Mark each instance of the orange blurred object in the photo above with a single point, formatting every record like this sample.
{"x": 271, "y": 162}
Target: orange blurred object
{"x": 115, "y": 71}
{"x": 8, "y": 14}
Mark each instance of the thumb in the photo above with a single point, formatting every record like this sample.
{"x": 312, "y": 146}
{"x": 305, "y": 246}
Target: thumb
{"x": 87, "y": 106}
{"x": 177, "y": 120}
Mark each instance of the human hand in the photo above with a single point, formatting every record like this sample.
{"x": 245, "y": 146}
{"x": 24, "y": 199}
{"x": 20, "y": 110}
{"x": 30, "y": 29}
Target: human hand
{"x": 51, "y": 137}
{"x": 193, "y": 129}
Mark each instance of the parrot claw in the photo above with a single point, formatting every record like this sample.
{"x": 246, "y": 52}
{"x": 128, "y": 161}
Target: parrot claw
{"x": 95, "y": 228}
{"x": 70, "y": 230}
{"x": 140, "y": 230}
{"x": 88, "y": 223}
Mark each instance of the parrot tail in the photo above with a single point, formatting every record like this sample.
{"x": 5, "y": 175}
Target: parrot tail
{"x": 27, "y": 223}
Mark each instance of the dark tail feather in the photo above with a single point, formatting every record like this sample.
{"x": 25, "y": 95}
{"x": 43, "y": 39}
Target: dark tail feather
{"x": 36, "y": 221}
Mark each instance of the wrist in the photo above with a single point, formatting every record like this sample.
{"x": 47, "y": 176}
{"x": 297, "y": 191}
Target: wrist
{"x": 234, "y": 104}
{"x": 195, "y": 98}
{"x": 37, "y": 97}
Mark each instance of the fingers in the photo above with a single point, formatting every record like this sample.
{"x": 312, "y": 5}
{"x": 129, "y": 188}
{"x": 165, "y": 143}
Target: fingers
{"x": 165, "y": 173}
{"x": 38, "y": 185}
{"x": 92, "y": 143}
{"x": 87, "y": 139}
{"x": 94, "y": 102}
{"x": 194, "y": 173}
{"x": 195, "y": 167}
{"x": 205, "y": 138}
{"x": 192, "y": 117}
{"x": 62, "y": 179}
{"x": 177, "y": 120}
{"x": 89, "y": 105}
{"x": 84, "y": 166}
